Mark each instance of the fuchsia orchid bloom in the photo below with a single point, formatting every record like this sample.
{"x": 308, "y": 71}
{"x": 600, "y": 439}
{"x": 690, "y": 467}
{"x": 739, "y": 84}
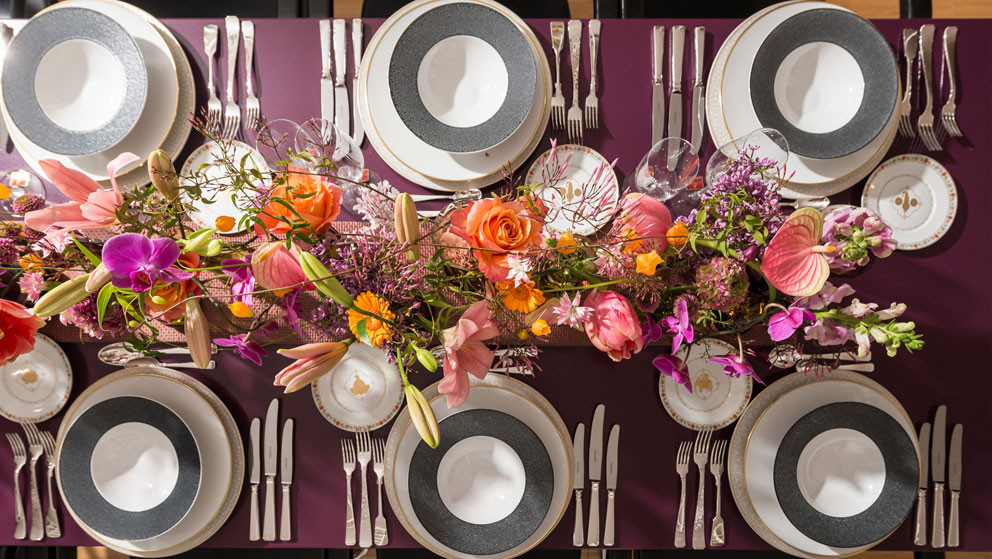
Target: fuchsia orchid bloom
{"x": 784, "y": 324}
{"x": 674, "y": 367}
{"x": 679, "y": 325}
{"x": 91, "y": 205}
{"x": 465, "y": 353}
{"x": 736, "y": 365}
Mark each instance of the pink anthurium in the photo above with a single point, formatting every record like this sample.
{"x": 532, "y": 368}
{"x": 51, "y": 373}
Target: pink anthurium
{"x": 794, "y": 262}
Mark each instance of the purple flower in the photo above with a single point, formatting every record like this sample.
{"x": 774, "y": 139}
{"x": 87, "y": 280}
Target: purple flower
{"x": 673, "y": 367}
{"x": 736, "y": 365}
{"x": 249, "y": 350}
{"x": 651, "y": 331}
{"x": 242, "y": 278}
{"x": 784, "y": 324}
{"x": 679, "y": 325}
{"x": 136, "y": 262}
{"x": 827, "y": 332}
{"x": 292, "y": 309}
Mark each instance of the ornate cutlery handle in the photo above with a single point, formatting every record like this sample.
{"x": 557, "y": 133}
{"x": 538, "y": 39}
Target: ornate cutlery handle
{"x": 349, "y": 516}
{"x": 37, "y": 529}
{"x": 20, "y": 527}
{"x": 593, "y": 532}
{"x": 285, "y": 533}
{"x": 578, "y": 537}
{"x": 698, "y": 524}
{"x": 937, "y": 540}
{"x": 269, "y": 525}
{"x": 253, "y": 534}
{"x": 365, "y": 529}
{"x": 52, "y": 529}
{"x": 920, "y": 529}
{"x": 594, "y": 27}
{"x": 233, "y": 38}
{"x": 926, "y": 60}
{"x": 608, "y": 531}
{"x": 575, "y": 50}
{"x": 717, "y": 538}
{"x": 953, "y": 529}
{"x": 248, "y": 30}
{"x": 680, "y": 519}
{"x": 381, "y": 535}
{"x": 951, "y": 58}
{"x": 909, "y": 51}
{"x": 210, "y": 49}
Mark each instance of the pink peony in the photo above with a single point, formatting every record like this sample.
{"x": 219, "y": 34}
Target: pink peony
{"x": 648, "y": 217}
{"x": 613, "y": 327}
{"x": 465, "y": 353}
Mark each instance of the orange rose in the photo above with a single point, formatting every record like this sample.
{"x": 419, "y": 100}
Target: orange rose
{"x": 174, "y": 293}
{"x": 315, "y": 198}
{"x": 495, "y": 229}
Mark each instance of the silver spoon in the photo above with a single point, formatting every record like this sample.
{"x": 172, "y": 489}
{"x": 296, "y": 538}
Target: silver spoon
{"x": 152, "y": 362}
{"x": 815, "y": 203}
{"x": 118, "y": 353}
{"x": 784, "y": 356}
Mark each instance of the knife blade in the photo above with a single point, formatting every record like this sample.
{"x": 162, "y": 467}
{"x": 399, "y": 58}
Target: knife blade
{"x": 920, "y": 528}
{"x": 612, "y": 448}
{"x": 954, "y": 483}
{"x": 5, "y": 34}
{"x": 698, "y": 89}
{"x": 595, "y": 473}
{"x": 254, "y": 434}
{"x": 658, "y": 87}
{"x": 326, "y": 80}
{"x": 356, "y": 51}
{"x": 286, "y": 478}
{"x": 342, "y": 114}
{"x": 675, "y": 72}
{"x": 938, "y": 457}
{"x": 578, "y": 481}
{"x": 269, "y": 454}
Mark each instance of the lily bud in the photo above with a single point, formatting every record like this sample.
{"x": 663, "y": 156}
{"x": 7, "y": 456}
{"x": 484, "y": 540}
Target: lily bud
{"x": 312, "y": 362}
{"x": 98, "y": 278}
{"x": 326, "y": 283}
{"x": 422, "y": 416}
{"x": 65, "y": 295}
{"x": 197, "y": 334}
{"x": 406, "y": 223}
{"x": 163, "y": 174}
{"x": 200, "y": 242}
{"x": 426, "y": 359}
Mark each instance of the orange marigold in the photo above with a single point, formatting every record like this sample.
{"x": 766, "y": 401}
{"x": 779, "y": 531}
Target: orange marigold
{"x": 376, "y": 329}
{"x": 521, "y": 298}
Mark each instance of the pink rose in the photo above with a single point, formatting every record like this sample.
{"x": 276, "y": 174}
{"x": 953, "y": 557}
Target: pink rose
{"x": 648, "y": 217}
{"x": 613, "y": 327}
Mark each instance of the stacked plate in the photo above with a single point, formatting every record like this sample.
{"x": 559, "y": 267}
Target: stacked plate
{"x": 150, "y": 462}
{"x": 824, "y": 468}
{"x": 499, "y": 481}
{"x": 821, "y": 75}
{"x": 451, "y": 91}
{"x": 86, "y": 80}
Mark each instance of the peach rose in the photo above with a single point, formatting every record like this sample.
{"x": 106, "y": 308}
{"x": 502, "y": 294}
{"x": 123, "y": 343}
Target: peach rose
{"x": 315, "y": 198}
{"x": 495, "y": 229}
{"x": 175, "y": 292}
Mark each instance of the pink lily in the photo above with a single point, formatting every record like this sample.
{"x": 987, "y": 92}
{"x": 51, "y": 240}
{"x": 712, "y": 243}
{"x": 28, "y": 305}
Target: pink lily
{"x": 465, "y": 353}
{"x": 312, "y": 362}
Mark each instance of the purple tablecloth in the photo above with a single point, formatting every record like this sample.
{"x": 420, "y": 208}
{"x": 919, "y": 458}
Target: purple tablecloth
{"x": 945, "y": 286}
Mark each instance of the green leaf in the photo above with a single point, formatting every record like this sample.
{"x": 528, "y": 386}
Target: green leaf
{"x": 94, "y": 259}
{"x": 362, "y": 331}
{"x": 102, "y": 300}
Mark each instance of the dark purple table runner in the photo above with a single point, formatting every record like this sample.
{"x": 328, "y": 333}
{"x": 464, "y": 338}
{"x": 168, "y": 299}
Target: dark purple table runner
{"x": 945, "y": 286}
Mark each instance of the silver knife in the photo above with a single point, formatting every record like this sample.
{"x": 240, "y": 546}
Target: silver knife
{"x": 698, "y": 89}
{"x": 675, "y": 72}
{"x": 326, "y": 80}
{"x": 269, "y": 453}
{"x": 255, "y": 433}
{"x": 658, "y": 87}
{"x": 356, "y": 51}
{"x": 5, "y": 34}
{"x": 612, "y": 448}
{"x": 578, "y": 481}
{"x": 938, "y": 456}
{"x": 595, "y": 473}
{"x": 342, "y": 114}
{"x": 954, "y": 484}
{"x": 286, "y": 478}
{"x": 920, "y": 529}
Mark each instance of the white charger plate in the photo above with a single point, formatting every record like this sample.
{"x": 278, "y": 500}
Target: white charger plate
{"x": 223, "y": 203}
{"x": 36, "y": 385}
{"x": 572, "y": 204}
{"x": 363, "y": 391}
{"x": 716, "y": 400}
{"x": 915, "y": 196}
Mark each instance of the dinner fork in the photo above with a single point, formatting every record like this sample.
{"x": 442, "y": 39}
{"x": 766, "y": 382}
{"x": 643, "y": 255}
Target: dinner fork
{"x": 948, "y": 113}
{"x": 716, "y": 468}
{"x": 364, "y": 455}
{"x": 52, "y": 529}
{"x": 700, "y": 455}
{"x": 925, "y": 123}
{"x": 574, "y": 112}
{"x": 232, "y": 112}
{"x": 592, "y": 102}
{"x": 558, "y": 99}
{"x": 252, "y": 110}
{"x": 681, "y": 468}
{"x": 910, "y": 44}
{"x": 20, "y": 458}
{"x": 379, "y": 465}
{"x": 35, "y": 448}
{"x": 213, "y": 104}
{"x": 348, "y": 458}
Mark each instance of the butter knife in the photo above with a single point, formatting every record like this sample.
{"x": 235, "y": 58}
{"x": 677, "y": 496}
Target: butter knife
{"x": 326, "y": 80}
{"x": 675, "y": 72}
{"x": 342, "y": 114}
{"x": 954, "y": 484}
{"x": 270, "y": 452}
{"x": 612, "y": 449}
{"x": 658, "y": 87}
{"x": 286, "y": 478}
{"x": 356, "y": 51}
{"x": 920, "y": 529}
{"x": 254, "y": 434}
{"x": 938, "y": 457}
{"x": 698, "y": 89}
{"x": 578, "y": 480}
{"x": 595, "y": 473}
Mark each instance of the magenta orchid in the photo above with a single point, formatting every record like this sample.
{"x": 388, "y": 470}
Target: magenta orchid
{"x": 784, "y": 324}
{"x": 246, "y": 349}
{"x": 674, "y": 367}
{"x": 737, "y": 365}
{"x": 136, "y": 262}
{"x": 679, "y": 325}
{"x": 242, "y": 278}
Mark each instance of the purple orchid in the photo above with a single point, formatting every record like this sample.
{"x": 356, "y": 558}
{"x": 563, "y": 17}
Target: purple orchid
{"x": 784, "y": 324}
{"x": 242, "y": 278}
{"x": 136, "y": 262}
{"x": 736, "y": 365}
{"x": 249, "y": 350}
{"x": 673, "y": 367}
{"x": 651, "y": 331}
{"x": 679, "y": 325}
{"x": 292, "y": 308}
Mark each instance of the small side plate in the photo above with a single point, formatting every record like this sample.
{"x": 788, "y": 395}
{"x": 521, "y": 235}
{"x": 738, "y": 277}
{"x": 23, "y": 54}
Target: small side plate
{"x": 577, "y": 202}
{"x": 36, "y": 385}
{"x": 363, "y": 391}
{"x": 716, "y": 400}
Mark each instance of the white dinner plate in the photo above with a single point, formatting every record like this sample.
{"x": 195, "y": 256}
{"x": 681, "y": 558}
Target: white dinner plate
{"x": 217, "y": 200}
{"x": 363, "y": 391}
{"x": 576, "y": 203}
{"x": 915, "y": 196}
{"x": 36, "y": 385}
{"x": 717, "y": 399}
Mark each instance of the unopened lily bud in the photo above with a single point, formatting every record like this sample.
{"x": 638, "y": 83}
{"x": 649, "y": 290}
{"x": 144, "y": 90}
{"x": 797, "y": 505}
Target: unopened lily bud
{"x": 98, "y": 278}
{"x": 422, "y": 416}
{"x": 406, "y": 223}
{"x": 163, "y": 174}
{"x": 199, "y": 242}
{"x": 65, "y": 295}
{"x": 197, "y": 334}
{"x": 426, "y": 359}
{"x": 326, "y": 283}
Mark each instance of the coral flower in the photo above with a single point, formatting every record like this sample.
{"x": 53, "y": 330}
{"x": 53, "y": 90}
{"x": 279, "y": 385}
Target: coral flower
{"x": 18, "y": 326}
{"x": 540, "y": 327}
{"x": 647, "y": 263}
{"x": 566, "y": 243}
{"x": 312, "y": 362}
{"x": 648, "y": 217}
{"x": 523, "y": 298}
{"x": 495, "y": 229}
{"x": 465, "y": 353}
{"x": 316, "y": 199}
{"x": 613, "y": 326}
{"x": 376, "y": 330}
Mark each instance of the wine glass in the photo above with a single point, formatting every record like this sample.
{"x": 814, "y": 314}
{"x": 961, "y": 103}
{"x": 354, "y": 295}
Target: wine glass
{"x": 668, "y": 168}
{"x": 322, "y": 139}
{"x": 767, "y": 143}
{"x": 276, "y": 140}
{"x": 21, "y": 182}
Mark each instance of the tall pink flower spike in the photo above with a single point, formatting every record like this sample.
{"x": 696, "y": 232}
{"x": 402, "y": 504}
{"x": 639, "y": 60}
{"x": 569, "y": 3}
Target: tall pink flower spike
{"x": 794, "y": 262}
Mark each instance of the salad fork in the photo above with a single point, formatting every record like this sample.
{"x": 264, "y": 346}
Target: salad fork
{"x": 575, "y": 112}
{"x": 20, "y": 458}
{"x": 35, "y": 448}
{"x": 716, "y": 468}
{"x": 213, "y": 104}
{"x": 910, "y": 44}
{"x": 558, "y": 99}
{"x": 592, "y": 102}
{"x": 52, "y": 529}
{"x": 364, "y": 443}
{"x": 252, "y": 109}
{"x": 348, "y": 458}
{"x": 700, "y": 456}
{"x": 925, "y": 123}
{"x": 681, "y": 468}
{"x": 948, "y": 114}
{"x": 232, "y": 112}
{"x": 379, "y": 466}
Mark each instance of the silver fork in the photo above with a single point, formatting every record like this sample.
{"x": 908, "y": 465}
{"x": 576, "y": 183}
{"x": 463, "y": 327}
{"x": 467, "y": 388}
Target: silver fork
{"x": 700, "y": 455}
{"x": 52, "y": 529}
{"x": 379, "y": 465}
{"x": 948, "y": 114}
{"x": 232, "y": 112}
{"x": 592, "y": 102}
{"x": 348, "y": 458}
{"x": 717, "y": 538}
{"x": 35, "y": 448}
{"x": 20, "y": 458}
{"x": 925, "y": 123}
{"x": 364, "y": 455}
{"x": 910, "y": 44}
{"x": 681, "y": 468}
{"x": 558, "y": 99}
{"x": 213, "y": 104}
{"x": 575, "y": 112}
{"x": 252, "y": 110}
